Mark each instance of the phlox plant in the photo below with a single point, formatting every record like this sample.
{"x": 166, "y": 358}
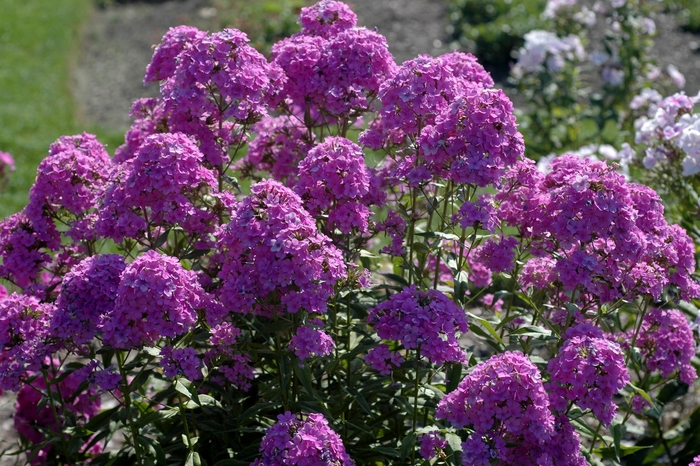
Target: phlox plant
{"x": 329, "y": 258}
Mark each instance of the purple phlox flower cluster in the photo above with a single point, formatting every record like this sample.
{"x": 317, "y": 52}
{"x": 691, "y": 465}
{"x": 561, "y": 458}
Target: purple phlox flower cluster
{"x": 326, "y": 19}
{"x": 163, "y": 185}
{"x": 545, "y": 50}
{"x": 478, "y": 214}
{"x": 335, "y": 181}
{"x": 479, "y": 273}
{"x": 504, "y": 401}
{"x": 232, "y": 367}
{"x": 604, "y": 152}
{"x": 87, "y": 297}
{"x": 696, "y": 461}
{"x": 474, "y": 139}
{"x": 421, "y": 90}
{"x": 382, "y": 359}
{"x": 23, "y": 249}
{"x": 310, "y": 341}
{"x": 497, "y": 256}
{"x": 181, "y": 361}
{"x": 431, "y": 444}
{"x": 394, "y": 226}
{"x": 588, "y": 371}
{"x": 220, "y": 75}
{"x": 150, "y": 118}
{"x": 156, "y": 298}
{"x": 280, "y": 143}
{"x": 425, "y": 320}
{"x": 334, "y": 76}
{"x": 609, "y": 237}
{"x": 667, "y": 343}
{"x": 106, "y": 380}
{"x": 309, "y": 442}
{"x": 671, "y": 131}
{"x": 164, "y": 61}
{"x": 24, "y": 327}
{"x": 69, "y": 182}
{"x": 647, "y": 99}
{"x": 538, "y": 273}
{"x": 32, "y": 418}
{"x": 274, "y": 258}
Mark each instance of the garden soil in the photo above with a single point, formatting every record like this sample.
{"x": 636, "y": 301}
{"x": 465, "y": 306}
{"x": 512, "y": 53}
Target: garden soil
{"x": 118, "y": 43}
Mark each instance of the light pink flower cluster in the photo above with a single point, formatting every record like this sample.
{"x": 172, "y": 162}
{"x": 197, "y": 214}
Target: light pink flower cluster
{"x": 274, "y": 258}
{"x": 424, "y": 320}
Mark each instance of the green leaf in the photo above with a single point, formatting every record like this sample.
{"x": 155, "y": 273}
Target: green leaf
{"x": 618, "y": 431}
{"x": 407, "y": 446}
{"x": 487, "y": 325}
{"x": 609, "y": 453}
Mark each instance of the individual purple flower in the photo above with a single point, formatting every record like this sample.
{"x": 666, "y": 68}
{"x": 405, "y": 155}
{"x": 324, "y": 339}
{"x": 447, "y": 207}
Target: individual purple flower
{"x": 426, "y": 321}
{"x": 308, "y": 442}
{"x": 24, "y": 328}
{"x": 474, "y": 139}
{"x": 326, "y": 18}
{"x": 334, "y": 180}
{"x": 309, "y": 341}
{"x": 162, "y": 186}
{"x": 87, "y": 297}
{"x": 588, "y": 371}
{"x": 33, "y": 418}
{"x": 181, "y": 361}
{"x": 164, "y": 61}
{"x": 156, "y": 298}
{"x": 222, "y": 77}
{"x": 274, "y": 258}
{"x": 667, "y": 344}
{"x": 504, "y": 401}
{"x": 382, "y": 359}
{"x": 431, "y": 444}
{"x": 24, "y": 250}
{"x": 279, "y": 145}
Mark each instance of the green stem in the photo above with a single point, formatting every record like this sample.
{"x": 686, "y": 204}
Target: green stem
{"x": 57, "y": 419}
{"x": 181, "y": 405}
{"x": 126, "y": 396}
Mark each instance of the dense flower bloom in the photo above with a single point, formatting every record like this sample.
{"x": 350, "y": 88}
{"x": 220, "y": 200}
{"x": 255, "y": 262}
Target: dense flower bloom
{"x": 382, "y": 359}
{"x": 609, "y": 236}
{"x": 420, "y": 90}
{"x": 503, "y": 400}
{"x": 544, "y": 48}
{"x": 149, "y": 118}
{"x": 310, "y": 341}
{"x": 279, "y": 145}
{"x": 479, "y": 214}
{"x": 431, "y": 443}
{"x": 221, "y": 76}
{"x": 428, "y": 321}
{"x": 32, "y": 417}
{"x": 181, "y": 361}
{"x": 24, "y": 327}
{"x": 87, "y": 297}
{"x": 310, "y": 442}
{"x": 498, "y": 256}
{"x": 163, "y": 185}
{"x": 274, "y": 258}
{"x": 474, "y": 139}
{"x": 334, "y": 180}
{"x": 164, "y": 61}
{"x": 23, "y": 249}
{"x": 588, "y": 371}
{"x": 666, "y": 341}
{"x": 156, "y": 298}
{"x": 326, "y": 18}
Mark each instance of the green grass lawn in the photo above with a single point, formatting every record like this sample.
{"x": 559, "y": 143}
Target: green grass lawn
{"x": 39, "y": 42}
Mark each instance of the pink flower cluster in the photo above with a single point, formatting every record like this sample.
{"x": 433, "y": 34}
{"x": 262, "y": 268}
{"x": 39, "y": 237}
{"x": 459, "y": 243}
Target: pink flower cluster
{"x": 588, "y": 370}
{"x": 232, "y": 367}
{"x": 24, "y": 327}
{"x": 87, "y": 298}
{"x": 310, "y": 341}
{"x": 326, "y": 18}
{"x": 335, "y": 181}
{"x": 161, "y": 186}
{"x": 431, "y": 443}
{"x": 667, "y": 344}
{"x": 425, "y": 320}
{"x": 309, "y": 442}
{"x": 382, "y": 359}
{"x": 181, "y": 361}
{"x": 156, "y": 298}
{"x": 609, "y": 237}
{"x": 274, "y": 258}
{"x": 504, "y": 401}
